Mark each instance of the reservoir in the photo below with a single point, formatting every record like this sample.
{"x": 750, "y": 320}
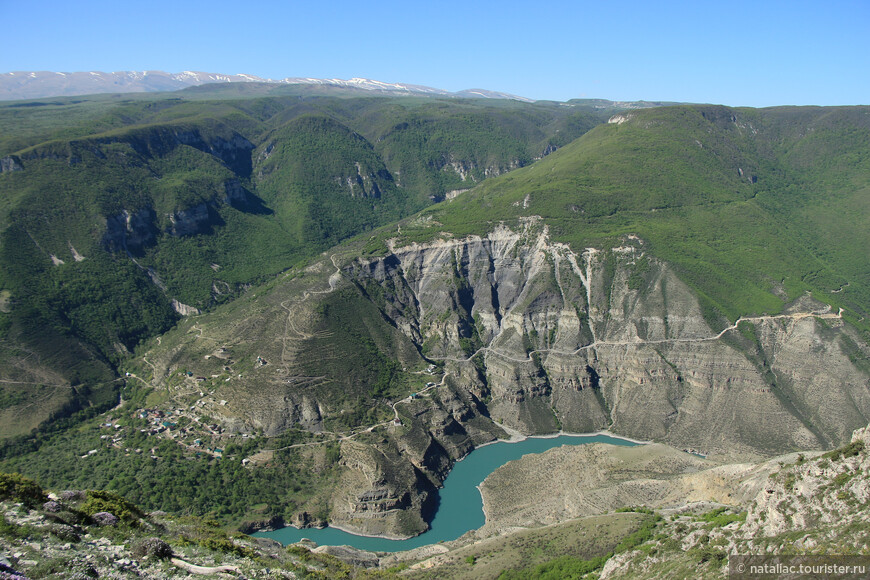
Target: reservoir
{"x": 460, "y": 508}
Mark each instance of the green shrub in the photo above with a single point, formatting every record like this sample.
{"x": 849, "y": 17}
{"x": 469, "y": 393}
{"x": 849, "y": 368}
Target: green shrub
{"x": 152, "y": 547}
{"x": 845, "y": 452}
{"x": 106, "y": 501}
{"x": 708, "y": 554}
{"x": 635, "y": 509}
{"x": 14, "y": 531}
{"x": 841, "y": 479}
{"x": 221, "y": 543}
{"x": 300, "y": 552}
{"x": 643, "y": 534}
{"x": 19, "y": 488}
{"x": 561, "y": 568}
{"x": 718, "y": 517}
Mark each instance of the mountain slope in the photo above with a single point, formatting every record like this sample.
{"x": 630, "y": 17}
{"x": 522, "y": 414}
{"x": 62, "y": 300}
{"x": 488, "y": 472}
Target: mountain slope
{"x": 641, "y": 279}
{"x": 729, "y": 197}
{"x": 118, "y": 217}
{"x": 653, "y": 277}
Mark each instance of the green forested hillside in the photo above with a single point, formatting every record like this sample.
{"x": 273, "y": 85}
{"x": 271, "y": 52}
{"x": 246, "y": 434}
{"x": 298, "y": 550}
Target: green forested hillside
{"x": 112, "y": 209}
{"x": 754, "y": 207}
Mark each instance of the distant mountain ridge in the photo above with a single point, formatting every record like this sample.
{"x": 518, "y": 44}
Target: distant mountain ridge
{"x": 39, "y": 84}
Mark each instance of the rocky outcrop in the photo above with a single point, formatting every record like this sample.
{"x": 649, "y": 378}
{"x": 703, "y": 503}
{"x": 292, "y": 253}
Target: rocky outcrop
{"x": 269, "y": 525}
{"x": 379, "y": 493}
{"x": 190, "y": 221}
{"x": 130, "y": 231}
{"x": 810, "y": 494}
{"x": 184, "y": 309}
{"x": 213, "y": 138}
{"x": 616, "y": 339}
{"x": 464, "y": 169}
{"x": 10, "y": 163}
{"x": 304, "y": 519}
{"x": 136, "y": 230}
{"x": 231, "y": 148}
{"x": 365, "y": 184}
{"x": 473, "y": 171}
{"x": 235, "y": 195}
{"x": 133, "y": 231}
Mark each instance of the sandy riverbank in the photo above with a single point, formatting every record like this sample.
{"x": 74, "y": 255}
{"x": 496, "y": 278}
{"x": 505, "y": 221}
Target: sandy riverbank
{"x": 516, "y": 437}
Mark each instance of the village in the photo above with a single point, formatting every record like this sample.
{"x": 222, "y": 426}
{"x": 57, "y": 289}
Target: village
{"x": 191, "y": 426}
{"x": 176, "y": 425}
{"x": 188, "y": 426}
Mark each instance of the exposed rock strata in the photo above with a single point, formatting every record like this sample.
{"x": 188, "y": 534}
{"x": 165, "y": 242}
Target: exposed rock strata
{"x": 536, "y": 337}
{"x": 597, "y": 339}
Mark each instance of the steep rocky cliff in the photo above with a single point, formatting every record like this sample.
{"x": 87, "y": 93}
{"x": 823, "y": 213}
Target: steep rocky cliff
{"x": 615, "y": 339}
{"x": 130, "y": 231}
{"x": 530, "y": 335}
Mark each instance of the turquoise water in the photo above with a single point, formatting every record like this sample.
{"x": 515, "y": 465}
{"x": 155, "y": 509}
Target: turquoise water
{"x": 460, "y": 508}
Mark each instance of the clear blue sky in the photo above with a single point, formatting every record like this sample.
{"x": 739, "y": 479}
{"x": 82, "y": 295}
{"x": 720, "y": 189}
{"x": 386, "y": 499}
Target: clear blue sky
{"x": 755, "y": 53}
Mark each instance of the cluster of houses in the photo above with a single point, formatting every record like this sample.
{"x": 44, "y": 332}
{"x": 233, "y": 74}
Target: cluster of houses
{"x": 113, "y": 439}
{"x": 165, "y": 423}
{"x": 160, "y": 422}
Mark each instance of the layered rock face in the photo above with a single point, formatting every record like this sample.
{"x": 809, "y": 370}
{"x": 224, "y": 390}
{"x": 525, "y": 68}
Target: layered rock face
{"x": 533, "y": 337}
{"x": 615, "y": 340}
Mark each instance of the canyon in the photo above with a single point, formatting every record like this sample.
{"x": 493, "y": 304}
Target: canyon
{"x": 533, "y": 337}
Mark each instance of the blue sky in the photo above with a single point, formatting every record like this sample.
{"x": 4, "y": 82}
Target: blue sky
{"x": 735, "y": 53}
